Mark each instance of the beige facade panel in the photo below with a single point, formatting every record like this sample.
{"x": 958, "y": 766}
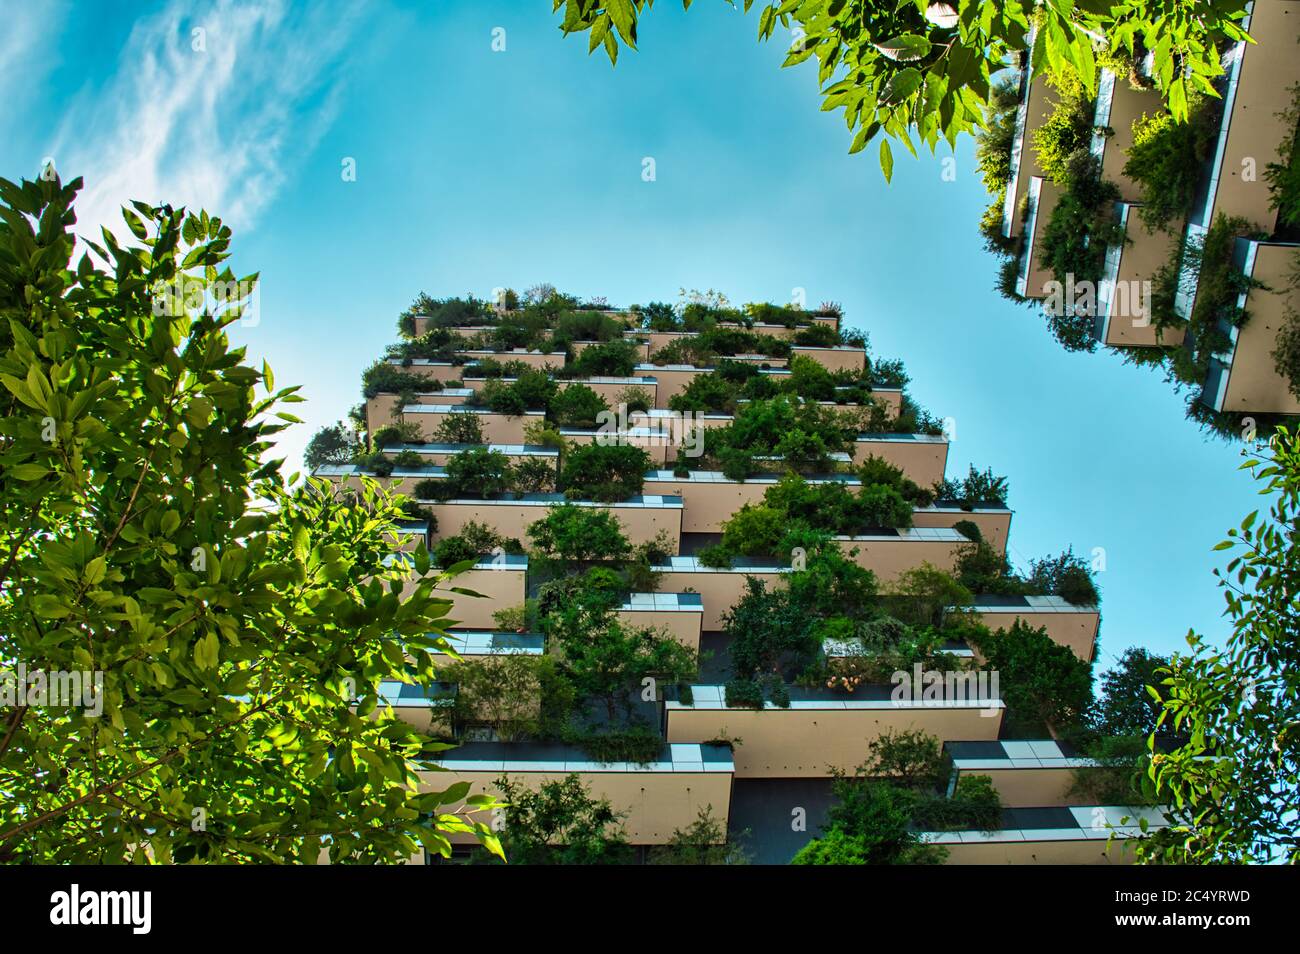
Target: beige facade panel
{"x": 1127, "y": 105}
{"x": 642, "y": 523}
{"x": 683, "y": 626}
{"x": 497, "y": 428}
{"x": 719, "y": 590}
{"x": 889, "y": 557}
{"x": 806, "y": 742}
{"x": 707, "y": 505}
{"x": 1129, "y": 324}
{"x": 1031, "y": 787}
{"x": 443, "y": 371}
{"x": 610, "y": 389}
{"x": 1036, "y": 285}
{"x": 1269, "y": 69}
{"x": 922, "y": 460}
{"x": 1076, "y": 629}
{"x": 836, "y": 359}
{"x": 499, "y": 587}
{"x": 1042, "y": 100}
{"x": 994, "y": 525}
{"x": 891, "y": 398}
{"x": 1047, "y": 851}
{"x": 1253, "y": 381}
{"x": 656, "y": 803}
{"x": 539, "y": 360}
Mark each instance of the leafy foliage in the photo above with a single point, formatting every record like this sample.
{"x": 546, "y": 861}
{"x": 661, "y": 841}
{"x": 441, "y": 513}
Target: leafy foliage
{"x": 235, "y": 621}
{"x": 927, "y": 69}
{"x": 560, "y": 824}
{"x": 1234, "y": 782}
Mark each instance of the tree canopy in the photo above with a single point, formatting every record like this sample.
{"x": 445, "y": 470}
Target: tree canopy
{"x": 227, "y": 630}
{"x": 925, "y": 70}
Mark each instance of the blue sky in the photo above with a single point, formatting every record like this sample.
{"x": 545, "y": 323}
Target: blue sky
{"x": 477, "y": 169}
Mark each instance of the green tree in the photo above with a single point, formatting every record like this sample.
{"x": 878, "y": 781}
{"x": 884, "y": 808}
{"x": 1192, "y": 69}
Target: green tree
{"x": 333, "y": 444}
{"x": 926, "y": 69}
{"x": 870, "y": 825}
{"x": 703, "y": 842}
{"x": 579, "y": 534}
{"x": 577, "y": 406}
{"x": 1044, "y": 684}
{"x": 560, "y": 824}
{"x": 605, "y": 472}
{"x": 229, "y": 622}
{"x": 1235, "y": 781}
{"x": 609, "y": 661}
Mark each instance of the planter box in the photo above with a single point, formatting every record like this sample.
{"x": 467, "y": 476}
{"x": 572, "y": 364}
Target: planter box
{"x": 1123, "y": 302}
{"x": 534, "y": 359}
{"x": 677, "y": 614}
{"x": 1244, "y": 378}
{"x": 839, "y": 358}
{"x": 994, "y": 521}
{"x": 719, "y": 590}
{"x": 889, "y": 555}
{"x": 820, "y": 733}
{"x": 1074, "y": 839}
{"x": 921, "y": 457}
{"x": 643, "y": 518}
{"x": 709, "y": 498}
{"x": 497, "y": 428}
{"x": 1069, "y": 625}
{"x": 610, "y": 388}
{"x": 1026, "y": 774}
{"x": 443, "y": 371}
{"x": 659, "y": 797}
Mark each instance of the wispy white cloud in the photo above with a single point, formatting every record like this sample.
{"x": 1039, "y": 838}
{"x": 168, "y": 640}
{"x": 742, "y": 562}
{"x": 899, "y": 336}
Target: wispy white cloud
{"x": 213, "y": 104}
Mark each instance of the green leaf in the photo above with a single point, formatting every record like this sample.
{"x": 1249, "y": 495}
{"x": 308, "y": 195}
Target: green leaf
{"x": 905, "y": 48}
{"x": 886, "y": 160}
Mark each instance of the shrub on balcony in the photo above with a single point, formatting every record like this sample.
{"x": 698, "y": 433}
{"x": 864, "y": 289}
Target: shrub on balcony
{"x": 1166, "y": 159}
{"x": 1067, "y": 131}
{"x": 604, "y": 472}
{"x": 1067, "y": 576}
{"x": 754, "y": 530}
{"x": 975, "y": 488}
{"x": 560, "y": 824}
{"x": 459, "y": 428}
{"x": 616, "y": 358}
{"x": 607, "y": 660}
{"x": 333, "y": 444}
{"x": 876, "y": 471}
{"x": 1283, "y": 177}
{"x": 385, "y": 378}
{"x": 408, "y": 460}
{"x": 577, "y": 406}
{"x": 532, "y": 475}
{"x": 579, "y": 534}
{"x": 870, "y": 824}
{"x": 403, "y": 432}
{"x": 1046, "y": 687}
{"x": 478, "y": 472}
{"x": 817, "y": 336}
{"x": 635, "y": 399}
